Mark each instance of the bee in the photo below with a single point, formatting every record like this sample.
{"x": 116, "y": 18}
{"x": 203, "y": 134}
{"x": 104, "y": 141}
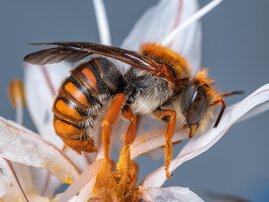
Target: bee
{"x": 158, "y": 83}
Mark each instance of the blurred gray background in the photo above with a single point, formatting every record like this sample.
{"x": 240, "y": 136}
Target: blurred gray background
{"x": 235, "y": 50}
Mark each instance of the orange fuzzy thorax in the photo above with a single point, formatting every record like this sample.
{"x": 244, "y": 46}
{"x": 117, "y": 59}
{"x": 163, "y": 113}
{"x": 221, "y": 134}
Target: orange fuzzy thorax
{"x": 164, "y": 55}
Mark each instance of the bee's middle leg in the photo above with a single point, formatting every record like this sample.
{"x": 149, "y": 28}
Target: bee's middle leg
{"x": 124, "y": 164}
{"x": 130, "y": 135}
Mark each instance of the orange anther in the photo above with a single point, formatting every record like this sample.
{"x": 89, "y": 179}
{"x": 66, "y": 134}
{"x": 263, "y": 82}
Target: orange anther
{"x": 16, "y": 92}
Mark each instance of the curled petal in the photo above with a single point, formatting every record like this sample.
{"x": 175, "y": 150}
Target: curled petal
{"x": 202, "y": 142}
{"x": 161, "y": 19}
{"x": 85, "y": 183}
{"x": 170, "y": 194}
{"x": 255, "y": 111}
{"x": 20, "y": 145}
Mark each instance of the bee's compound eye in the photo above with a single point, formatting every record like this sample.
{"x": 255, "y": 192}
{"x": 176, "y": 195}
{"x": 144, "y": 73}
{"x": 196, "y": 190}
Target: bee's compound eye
{"x": 197, "y": 106}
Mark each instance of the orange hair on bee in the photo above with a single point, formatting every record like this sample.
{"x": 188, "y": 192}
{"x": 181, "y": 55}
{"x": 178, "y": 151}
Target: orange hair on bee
{"x": 166, "y": 56}
{"x": 201, "y": 79}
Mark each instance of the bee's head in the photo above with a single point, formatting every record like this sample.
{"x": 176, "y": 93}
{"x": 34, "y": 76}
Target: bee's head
{"x": 196, "y": 100}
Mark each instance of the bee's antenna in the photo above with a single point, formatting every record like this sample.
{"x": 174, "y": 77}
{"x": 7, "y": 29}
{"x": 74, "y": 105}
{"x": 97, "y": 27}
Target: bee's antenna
{"x": 223, "y": 106}
{"x": 232, "y": 93}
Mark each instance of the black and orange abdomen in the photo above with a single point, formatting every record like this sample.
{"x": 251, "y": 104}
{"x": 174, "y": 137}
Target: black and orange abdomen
{"x": 81, "y": 97}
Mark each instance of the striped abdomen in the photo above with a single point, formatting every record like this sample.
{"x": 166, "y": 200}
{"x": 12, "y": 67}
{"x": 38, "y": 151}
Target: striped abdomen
{"x": 80, "y": 98}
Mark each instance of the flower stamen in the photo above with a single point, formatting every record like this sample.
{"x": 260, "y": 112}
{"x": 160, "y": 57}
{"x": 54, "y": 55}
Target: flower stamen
{"x": 17, "y": 99}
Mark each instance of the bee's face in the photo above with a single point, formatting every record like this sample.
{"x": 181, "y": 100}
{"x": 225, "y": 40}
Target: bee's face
{"x": 196, "y": 104}
{"x": 196, "y": 101}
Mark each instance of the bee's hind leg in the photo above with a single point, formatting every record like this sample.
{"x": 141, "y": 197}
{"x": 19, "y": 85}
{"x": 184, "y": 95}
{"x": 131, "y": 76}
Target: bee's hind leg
{"x": 110, "y": 117}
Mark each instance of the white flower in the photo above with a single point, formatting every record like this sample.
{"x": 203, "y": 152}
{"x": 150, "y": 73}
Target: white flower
{"x": 24, "y": 154}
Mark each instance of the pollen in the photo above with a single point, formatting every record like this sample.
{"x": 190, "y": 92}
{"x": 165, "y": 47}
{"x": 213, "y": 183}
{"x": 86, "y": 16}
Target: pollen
{"x": 68, "y": 181}
{"x": 118, "y": 184}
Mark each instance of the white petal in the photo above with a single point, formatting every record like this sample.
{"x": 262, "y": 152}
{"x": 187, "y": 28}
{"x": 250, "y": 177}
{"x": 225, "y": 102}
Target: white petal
{"x": 118, "y": 128}
{"x": 152, "y": 139}
{"x": 19, "y": 182}
{"x": 81, "y": 161}
{"x": 102, "y": 22}
{"x": 155, "y": 154}
{"x": 4, "y": 185}
{"x": 163, "y": 18}
{"x": 202, "y": 142}
{"x": 24, "y": 176}
{"x": 196, "y": 16}
{"x": 86, "y": 192}
{"x": 41, "y": 84}
{"x": 85, "y": 183}
{"x": 20, "y": 145}
{"x": 38, "y": 198}
{"x": 255, "y": 111}
{"x": 170, "y": 194}
{"x": 7, "y": 170}
{"x": 73, "y": 199}
{"x": 4, "y": 182}
{"x": 45, "y": 183}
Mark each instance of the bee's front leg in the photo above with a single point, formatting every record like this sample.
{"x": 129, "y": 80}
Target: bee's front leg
{"x": 170, "y": 117}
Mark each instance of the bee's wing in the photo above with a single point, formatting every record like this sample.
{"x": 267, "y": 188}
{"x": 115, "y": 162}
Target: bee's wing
{"x": 55, "y": 55}
{"x": 75, "y": 51}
